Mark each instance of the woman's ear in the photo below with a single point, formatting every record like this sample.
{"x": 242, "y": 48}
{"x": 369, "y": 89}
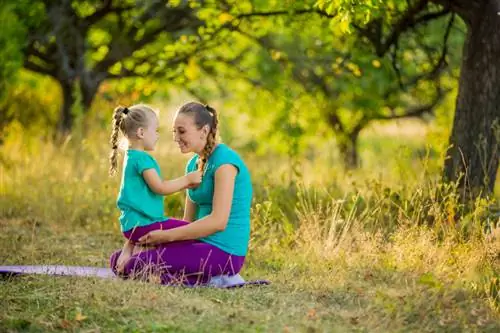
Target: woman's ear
{"x": 206, "y": 130}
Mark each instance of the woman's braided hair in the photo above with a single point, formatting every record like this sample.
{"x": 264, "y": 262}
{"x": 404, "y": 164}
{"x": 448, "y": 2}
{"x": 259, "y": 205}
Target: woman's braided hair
{"x": 203, "y": 115}
{"x": 126, "y": 121}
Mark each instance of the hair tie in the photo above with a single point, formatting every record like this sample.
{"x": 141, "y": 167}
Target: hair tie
{"x": 125, "y": 110}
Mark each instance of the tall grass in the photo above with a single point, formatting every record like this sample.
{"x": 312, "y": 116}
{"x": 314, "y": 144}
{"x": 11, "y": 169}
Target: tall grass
{"x": 376, "y": 240}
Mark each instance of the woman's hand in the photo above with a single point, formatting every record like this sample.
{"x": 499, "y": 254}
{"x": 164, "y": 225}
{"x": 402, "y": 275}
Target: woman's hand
{"x": 154, "y": 237}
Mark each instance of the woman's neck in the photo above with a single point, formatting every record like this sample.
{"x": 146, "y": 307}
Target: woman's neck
{"x": 200, "y": 153}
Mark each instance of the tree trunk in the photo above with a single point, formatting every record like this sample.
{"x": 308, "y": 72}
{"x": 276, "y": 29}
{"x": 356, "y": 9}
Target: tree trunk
{"x": 66, "y": 117}
{"x": 348, "y": 147}
{"x": 473, "y": 156}
{"x": 88, "y": 87}
{"x": 65, "y": 122}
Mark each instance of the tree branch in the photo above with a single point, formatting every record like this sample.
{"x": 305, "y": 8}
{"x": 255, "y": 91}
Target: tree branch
{"x": 464, "y": 8}
{"x": 171, "y": 20}
{"x": 395, "y": 67}
{"x": 409, "y": 20}
{"x": 195, "y": 94}
{"x": 416, "y": 111}
{"x": 335, "y": 122}
{"x": 31, "y": 50}
{"x": 39, "y": 69}
{"x": 287, "y": 12}
{"x": 433, "y": 73}
{"x": 100, "y": 13}
{"x": 171, "y": 63}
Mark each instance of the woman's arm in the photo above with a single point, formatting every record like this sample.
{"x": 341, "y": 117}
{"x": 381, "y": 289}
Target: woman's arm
{"x": 189, "y": 210}
{"x": 165, "y": 187}
{"x": 215, "y": 221}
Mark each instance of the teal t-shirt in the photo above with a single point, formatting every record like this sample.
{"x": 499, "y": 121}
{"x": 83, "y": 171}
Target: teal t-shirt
{"x": 138, "y": 204}
{"x": 234, "y": 239}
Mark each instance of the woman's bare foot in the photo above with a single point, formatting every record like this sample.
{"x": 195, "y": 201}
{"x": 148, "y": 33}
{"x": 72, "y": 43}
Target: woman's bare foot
{"x": 125, "y": 255}
{"x": 122, "y": 261}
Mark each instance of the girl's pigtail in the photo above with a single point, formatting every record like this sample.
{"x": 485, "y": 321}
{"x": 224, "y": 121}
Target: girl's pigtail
{"x": 115, "y": 132}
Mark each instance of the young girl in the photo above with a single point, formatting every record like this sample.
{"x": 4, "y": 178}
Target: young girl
{"x": 140, "y": 199}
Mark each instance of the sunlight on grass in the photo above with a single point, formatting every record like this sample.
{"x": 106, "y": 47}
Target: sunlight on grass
{"x": 344, "y": 252}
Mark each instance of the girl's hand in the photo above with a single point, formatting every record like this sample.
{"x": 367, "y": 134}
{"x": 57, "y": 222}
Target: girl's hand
{"x": 194, "y": 178}
{"x": 154, "y": 237}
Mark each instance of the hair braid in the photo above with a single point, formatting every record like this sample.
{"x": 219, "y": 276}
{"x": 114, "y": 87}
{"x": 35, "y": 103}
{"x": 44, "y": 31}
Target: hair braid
{"x": 211, "y": 138}
{"x": 115, "y": 132}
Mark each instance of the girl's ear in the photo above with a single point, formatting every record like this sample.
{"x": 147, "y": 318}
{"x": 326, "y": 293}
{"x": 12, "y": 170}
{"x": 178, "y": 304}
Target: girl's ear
{"x": 140, "y": 133}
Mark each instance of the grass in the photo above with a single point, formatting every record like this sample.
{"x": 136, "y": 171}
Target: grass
{"x": 364, "y": 284}
{"x": 345, "y": 253}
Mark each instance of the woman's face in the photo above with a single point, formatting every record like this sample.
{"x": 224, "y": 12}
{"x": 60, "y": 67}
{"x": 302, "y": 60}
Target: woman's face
{"x": 187, "y": 135}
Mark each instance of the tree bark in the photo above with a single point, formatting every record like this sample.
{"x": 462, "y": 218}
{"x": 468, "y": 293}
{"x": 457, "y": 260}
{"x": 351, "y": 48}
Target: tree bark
{"x": 348, "y": 147}
{"x": 88, "y": 88}
{"x": 65, "y": 122}
{"x": 473, "y": 154}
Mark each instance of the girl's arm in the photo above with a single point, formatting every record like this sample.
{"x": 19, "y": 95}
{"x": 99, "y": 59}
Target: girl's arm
{"x": 215, "y": 221}
{"x": 189, "y": 210}
{"x": 165, "y": 187}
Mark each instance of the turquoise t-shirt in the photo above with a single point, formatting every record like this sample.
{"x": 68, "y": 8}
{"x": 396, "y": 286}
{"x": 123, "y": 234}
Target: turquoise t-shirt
{"x": 234, "y": 239}
{"x": 138, "y": 204}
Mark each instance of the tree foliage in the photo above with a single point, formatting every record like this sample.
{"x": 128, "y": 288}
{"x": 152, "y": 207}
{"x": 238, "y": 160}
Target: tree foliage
{"x": 473, "y": 154}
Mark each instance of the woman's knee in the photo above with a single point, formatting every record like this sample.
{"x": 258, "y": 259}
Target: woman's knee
{"x": 143, "y": 264}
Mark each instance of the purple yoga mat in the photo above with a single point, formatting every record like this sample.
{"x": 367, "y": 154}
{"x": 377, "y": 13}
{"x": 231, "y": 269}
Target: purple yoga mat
{"x": 105, "y": 273}
{"x": 99, "y": 272}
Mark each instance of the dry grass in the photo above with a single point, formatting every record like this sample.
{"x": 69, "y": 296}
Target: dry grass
{"x": 342, "y": 256}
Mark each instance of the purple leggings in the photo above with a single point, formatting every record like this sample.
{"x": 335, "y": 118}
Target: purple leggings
{"x": 188, "y": 262}
{"x": 137, "y": 232}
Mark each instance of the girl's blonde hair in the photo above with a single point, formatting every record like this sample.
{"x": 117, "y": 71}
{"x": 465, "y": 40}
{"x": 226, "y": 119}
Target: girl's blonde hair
{"x": 126, "y": 121}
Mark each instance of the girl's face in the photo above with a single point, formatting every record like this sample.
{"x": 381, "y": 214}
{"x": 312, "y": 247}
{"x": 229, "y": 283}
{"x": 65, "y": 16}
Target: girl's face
{"x": 150, "y": 133}
{"x": 187, "y": 135}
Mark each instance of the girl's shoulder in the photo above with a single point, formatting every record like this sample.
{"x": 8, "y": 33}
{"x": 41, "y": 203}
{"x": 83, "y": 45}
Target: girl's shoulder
{"x": 141, "y": 160}
{"x": 138, "y": 153}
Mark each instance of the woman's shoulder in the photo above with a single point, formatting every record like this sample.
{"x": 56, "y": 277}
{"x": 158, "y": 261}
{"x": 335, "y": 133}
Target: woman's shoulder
{"x": 223, "y": 154}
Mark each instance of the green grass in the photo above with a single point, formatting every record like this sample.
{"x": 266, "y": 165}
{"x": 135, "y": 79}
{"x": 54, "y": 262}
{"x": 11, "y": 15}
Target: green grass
{"x": 365, "y": 284}
{"x": 345, "y": 253}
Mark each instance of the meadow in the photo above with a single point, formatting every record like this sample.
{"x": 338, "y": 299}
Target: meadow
{"x": 385, "y": 248}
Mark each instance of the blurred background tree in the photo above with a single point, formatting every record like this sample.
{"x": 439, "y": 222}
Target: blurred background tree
{"x": 289, "y": 73}
{"x": 473, "y": 154}
{"x": 81, "y": 44}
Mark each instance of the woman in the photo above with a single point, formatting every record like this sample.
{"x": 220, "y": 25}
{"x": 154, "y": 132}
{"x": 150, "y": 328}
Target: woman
{"x": 216, "y": 242}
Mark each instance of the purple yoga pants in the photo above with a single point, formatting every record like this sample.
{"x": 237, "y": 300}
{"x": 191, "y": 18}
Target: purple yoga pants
{"x": 188, "y": 262}
{"x": 137, "y": 232}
